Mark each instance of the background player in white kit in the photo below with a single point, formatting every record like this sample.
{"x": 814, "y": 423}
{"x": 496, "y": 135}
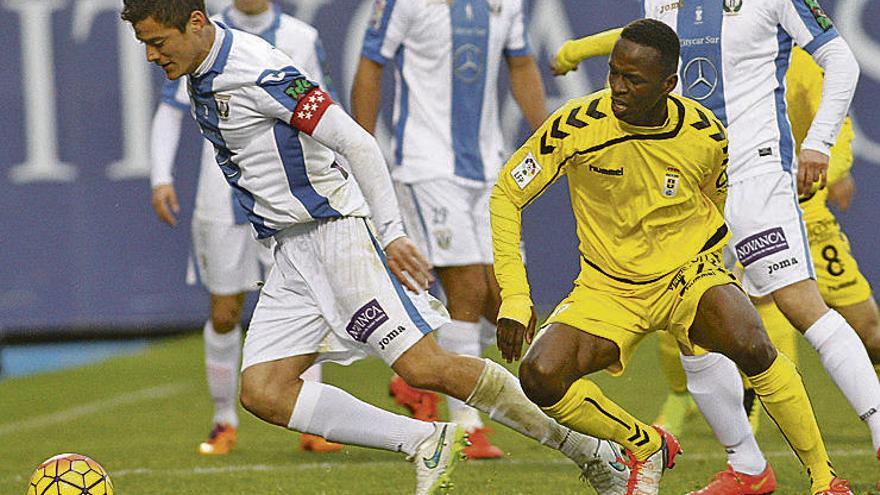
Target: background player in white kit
{"x": 230, "y": 261}
{"x": 334, "y": 292}
{"x": 448, "y": 148}
{"x": 735, "y": 54}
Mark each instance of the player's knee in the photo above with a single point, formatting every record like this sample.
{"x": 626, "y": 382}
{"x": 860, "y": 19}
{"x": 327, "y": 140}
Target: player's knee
{"x": 756, "y": 353}
{"x": 421, "y": 375}
{"x": 224, "y": 319}
{"x": 541, "y": 381}
{"x": 468, "y": 303}
{"x": 257, "y": 397}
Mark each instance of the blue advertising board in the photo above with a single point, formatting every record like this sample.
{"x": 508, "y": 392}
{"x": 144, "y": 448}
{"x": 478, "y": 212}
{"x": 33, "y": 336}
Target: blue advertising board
{"x": 81, "y": 245}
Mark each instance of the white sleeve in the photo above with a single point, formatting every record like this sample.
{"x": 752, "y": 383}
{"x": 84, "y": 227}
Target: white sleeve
{"x": 517, "y": 43}
{"x": 841, "y": 76}
{"x": 386, "y": 30}
{"x": 339, "y": 132}
{"x": 164, "y": 138}
{"x": 806, "y": 23}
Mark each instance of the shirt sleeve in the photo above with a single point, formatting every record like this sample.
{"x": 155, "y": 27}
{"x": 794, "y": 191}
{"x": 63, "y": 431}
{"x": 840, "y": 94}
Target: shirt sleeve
{"x": 528, "y": 173}
{"x": 517, "y": 42}
{"x": 289, "y": 96}
{"x": 841, "y": 153}
{"x": 595, "y": 45}
{"x": 714, "y": 185}
{"x": 806, "y": 23}
{"x": 164, "y": 137}
{"x": 838, "y": 88}
{"x": 386, "y": 30}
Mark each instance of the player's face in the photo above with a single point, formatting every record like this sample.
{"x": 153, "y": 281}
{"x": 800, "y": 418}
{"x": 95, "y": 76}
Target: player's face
{"x": 252, "y": 7}
{"x": 177, "y": 53}
{"x": 639, "y": 84}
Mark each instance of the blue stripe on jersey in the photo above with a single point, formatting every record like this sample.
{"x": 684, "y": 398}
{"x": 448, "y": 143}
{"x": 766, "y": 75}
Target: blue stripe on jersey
{"x": 806, "y": 15}
{"x": 169, "y": 93}
{"x": 702, "y": 73}
{"x": 527, "y": 48}
{"x": 403, "y": 109}
{"x": 422, "y": 222}
{"x": 275, "y": 82}
{"x": 208, "y": 118}
{"x": 290, "y": 149}
{"x": 470, "y": 42}
{"x": 786, "y": 139}
{"x": 239, "y": 214}
{"x": 408, "y": 305}
{"x": 376, "y": 30}
{"x": 821, "y": 40}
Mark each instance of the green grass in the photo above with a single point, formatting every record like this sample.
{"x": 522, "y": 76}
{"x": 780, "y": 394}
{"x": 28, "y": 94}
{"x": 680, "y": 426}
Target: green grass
{"x": 142, "y": 417}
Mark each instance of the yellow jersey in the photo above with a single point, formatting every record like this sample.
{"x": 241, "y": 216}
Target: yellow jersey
{"x": 803, "y": 95}
{"x": 646, "y": 199}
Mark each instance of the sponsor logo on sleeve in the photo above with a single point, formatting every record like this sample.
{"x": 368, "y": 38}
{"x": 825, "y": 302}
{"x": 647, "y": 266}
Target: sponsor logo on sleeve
{"x": 272, "y": 77}
{"x": 821, "y": 17}
{"x": 366, "y": 320}
{"x": 298, "y": 88}
{"x": 526, "y": 171}
{"x": 670, "y": 182}
{"x": 760, "y": 245}
{"x": 393, "y": 334}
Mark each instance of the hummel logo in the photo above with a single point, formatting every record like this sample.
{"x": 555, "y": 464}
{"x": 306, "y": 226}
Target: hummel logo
{"x": 434, "y": 461}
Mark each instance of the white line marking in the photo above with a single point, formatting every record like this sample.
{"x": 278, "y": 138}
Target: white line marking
{"x": 102, "y": 405}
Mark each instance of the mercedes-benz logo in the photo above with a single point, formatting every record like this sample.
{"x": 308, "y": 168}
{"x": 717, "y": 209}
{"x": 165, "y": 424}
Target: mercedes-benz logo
{"x": 468, "y": 63}
{"x": 700, "y": 78}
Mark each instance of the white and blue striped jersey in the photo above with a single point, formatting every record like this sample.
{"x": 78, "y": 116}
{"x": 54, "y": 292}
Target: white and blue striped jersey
{"x": 446, "y": 55}
{"x": 734, "y": 56}
{"x": 258, "y": 111}
{"x": 214, "y": 199}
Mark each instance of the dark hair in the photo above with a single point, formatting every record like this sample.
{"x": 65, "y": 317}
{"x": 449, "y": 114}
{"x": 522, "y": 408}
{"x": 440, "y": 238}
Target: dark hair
{"x": 174, "y": 13}
{"x": 657, "y": 35}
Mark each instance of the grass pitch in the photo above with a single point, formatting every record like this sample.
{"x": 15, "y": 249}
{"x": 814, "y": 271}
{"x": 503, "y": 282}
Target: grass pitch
{"x": 143, "y": 416}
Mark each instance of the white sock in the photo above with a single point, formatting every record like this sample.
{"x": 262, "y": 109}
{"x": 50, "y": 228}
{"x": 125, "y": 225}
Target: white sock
{"x": 336, "y": 415}
{"x": 499, "y": 394}
{"x": 222, "y": 356}
{"x": 716, "y": 386}
{"x": 313, "y": 374}
{"x": 461, "y": 337}
{"x": 845, "y": 359}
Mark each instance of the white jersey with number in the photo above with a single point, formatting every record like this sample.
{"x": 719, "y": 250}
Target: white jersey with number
{"x": 446, "y": 56}
{"x": 214, "y": 200}
{"x": 258, "y": 111}
{"x": 734, "y": 56}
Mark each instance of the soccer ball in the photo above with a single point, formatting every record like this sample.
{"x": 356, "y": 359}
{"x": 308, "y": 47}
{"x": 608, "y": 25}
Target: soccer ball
{"x": 70, "y": 474}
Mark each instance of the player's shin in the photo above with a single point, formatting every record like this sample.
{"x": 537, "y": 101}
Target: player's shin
{"x": 461, "y": 337}
{"x": 585, "y": 408}
{"x": 337, "y": 416}
{"x": 783, "y": 395}
{"x": 499, "y": 394}
{"x": 715, "y": 384}
{"x": 222, "y": 362}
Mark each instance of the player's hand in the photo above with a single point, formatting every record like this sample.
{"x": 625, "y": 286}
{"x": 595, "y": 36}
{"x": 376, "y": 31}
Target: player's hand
{"x": 510, "y": 335}
{"x": 404, "y": 256}
{"x": 560, "y": 64}
{"x": 165, "y": 203}
{"x": 840, "y": 193}
{"x": 812, "y": 168}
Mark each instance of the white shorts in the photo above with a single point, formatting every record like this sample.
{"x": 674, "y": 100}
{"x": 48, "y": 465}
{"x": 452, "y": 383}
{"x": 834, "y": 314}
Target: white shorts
{"x": 768, "y": 234}
{"x": 448, "y": 221}
{"x": 332, "y": 293}
{"x": 228, "y": 259}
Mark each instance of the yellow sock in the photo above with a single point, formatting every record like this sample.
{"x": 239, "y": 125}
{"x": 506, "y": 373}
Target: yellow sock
{"x": 670, "y": 364}
{"x": 781, "y": 332}
{"x": 585, "y": 408}
{"x": 782, "y": 393}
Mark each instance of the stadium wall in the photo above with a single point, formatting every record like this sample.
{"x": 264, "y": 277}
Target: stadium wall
{"x": 82, "y": 248}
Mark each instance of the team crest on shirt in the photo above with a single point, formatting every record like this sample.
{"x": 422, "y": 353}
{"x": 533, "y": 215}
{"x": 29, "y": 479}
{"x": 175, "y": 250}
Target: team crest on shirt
{"x": 222, "y": 102}
{"x": 698, "y": 15}
{"x": 443, "y": 238}
{"x": 526, "y": 171}
{"x": 670, "y": 182}
{"x": 732, "y": 7}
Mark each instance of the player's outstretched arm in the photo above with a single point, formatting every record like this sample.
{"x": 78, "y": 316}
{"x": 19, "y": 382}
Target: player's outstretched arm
{"x": 573, "y": 51}
{"x": 366, "y": 93}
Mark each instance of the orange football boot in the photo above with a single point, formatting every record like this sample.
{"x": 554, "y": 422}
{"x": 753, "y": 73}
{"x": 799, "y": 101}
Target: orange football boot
{"x": 479, "y": 447}
{"x": 731, "y": 482}
{"x": 220, "y": 442}
{"x": 422, "y": 404}
{"x": 317, "y": 444}
{"x": 838, "y": 487}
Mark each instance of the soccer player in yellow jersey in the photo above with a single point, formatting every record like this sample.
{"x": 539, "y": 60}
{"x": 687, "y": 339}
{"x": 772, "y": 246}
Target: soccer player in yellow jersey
{"x": 647, "y": 176}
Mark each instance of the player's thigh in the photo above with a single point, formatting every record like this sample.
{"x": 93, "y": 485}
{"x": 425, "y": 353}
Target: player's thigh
{"x": 767, "y": 233}
{"x": 362, "y": 299}
{"x": 601, "y": 312}
{"x": 442, "y": 213}
{"x": 226, "y": 257}
{"x": 840, "y": 281}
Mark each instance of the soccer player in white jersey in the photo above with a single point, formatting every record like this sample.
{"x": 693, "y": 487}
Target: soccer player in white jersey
{"x": 448, "y": 149}
{"x": 227, "y": 255}
{"x": 342, "y": 287}
{"x": 735, "y": 54}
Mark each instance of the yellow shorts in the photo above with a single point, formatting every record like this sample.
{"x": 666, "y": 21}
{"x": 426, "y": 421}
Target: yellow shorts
{"x": 625, "y": 312}
{"x": 837, "y": 273}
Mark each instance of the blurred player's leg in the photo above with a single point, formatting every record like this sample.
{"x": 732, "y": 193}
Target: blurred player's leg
{"x": 222, "y": 336}
{"x": 678, "y": 404}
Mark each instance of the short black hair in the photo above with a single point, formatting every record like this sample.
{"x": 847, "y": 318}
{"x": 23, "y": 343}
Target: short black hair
{"x": 174, "y": 13}
{"x": 657, "y": 35}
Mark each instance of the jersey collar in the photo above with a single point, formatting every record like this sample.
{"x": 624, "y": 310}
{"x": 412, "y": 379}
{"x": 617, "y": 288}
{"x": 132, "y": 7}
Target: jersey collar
{"x": 672, "y": 118}
{"x": 216, "y": 60}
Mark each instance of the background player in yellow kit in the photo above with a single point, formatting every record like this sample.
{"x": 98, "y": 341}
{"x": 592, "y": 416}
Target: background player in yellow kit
{"x": 647, "y": 177}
